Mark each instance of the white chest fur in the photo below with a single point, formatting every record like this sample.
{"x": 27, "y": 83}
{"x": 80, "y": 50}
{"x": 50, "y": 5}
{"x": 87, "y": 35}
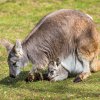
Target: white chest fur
{"x": 72, "y": 64}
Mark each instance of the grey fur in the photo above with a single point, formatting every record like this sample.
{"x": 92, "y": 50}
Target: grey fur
{"x": 57, "y": 35}
{"x": 56, "y": 72}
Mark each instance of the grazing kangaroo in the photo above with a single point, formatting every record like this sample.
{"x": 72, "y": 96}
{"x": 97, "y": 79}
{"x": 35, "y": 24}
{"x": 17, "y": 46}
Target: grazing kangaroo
{"x": 57, "y": 35}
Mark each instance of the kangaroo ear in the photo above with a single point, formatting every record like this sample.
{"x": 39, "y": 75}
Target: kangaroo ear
{"x": 6, "y": 44}
{"x": 18, "y": 48}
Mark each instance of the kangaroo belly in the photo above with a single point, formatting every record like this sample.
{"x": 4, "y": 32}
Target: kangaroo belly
{"x": 72, "y": 64}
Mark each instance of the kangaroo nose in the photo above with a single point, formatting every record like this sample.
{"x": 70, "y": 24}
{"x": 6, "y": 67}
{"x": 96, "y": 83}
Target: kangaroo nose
{"x": 12, "y": 76}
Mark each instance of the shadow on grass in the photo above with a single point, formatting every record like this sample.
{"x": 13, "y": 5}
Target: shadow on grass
{"x": 11, "y": 81}
{"x": 64, "y": 87}
{"x": 8, "y": 81}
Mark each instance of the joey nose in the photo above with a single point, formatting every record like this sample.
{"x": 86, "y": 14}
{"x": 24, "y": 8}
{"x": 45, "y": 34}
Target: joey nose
{"x": 12, "y": 76}
{"x": 49, "y": 76}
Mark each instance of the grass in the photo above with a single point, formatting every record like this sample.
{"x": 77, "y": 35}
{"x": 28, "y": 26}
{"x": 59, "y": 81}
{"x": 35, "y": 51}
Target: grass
{"x": 17, "y": 18}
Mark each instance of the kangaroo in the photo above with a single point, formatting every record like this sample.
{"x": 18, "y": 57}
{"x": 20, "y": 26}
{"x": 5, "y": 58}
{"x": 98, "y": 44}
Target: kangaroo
{"x": 57, "y": 35}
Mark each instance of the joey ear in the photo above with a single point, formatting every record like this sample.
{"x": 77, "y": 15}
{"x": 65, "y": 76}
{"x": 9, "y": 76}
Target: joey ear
{"x": 51, "y": 62}
{"x": 57, "y": 61}
{"x": 18, "y": 48}
{"x": 6, "y": 44}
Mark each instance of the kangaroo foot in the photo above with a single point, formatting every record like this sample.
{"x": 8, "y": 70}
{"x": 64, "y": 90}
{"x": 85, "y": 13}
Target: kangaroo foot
{"x": 81, "y": 77}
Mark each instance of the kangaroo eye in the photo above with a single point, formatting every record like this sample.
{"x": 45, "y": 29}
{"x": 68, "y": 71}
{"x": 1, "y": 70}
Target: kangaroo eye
{"x": 14, "y": 64}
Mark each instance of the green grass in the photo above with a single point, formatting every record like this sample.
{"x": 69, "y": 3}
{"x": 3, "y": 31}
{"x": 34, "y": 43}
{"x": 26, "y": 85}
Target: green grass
{"x": 17, "y": 18}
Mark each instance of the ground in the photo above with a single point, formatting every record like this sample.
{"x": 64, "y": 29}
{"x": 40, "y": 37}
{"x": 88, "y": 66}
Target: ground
{"x": 17, "y": 18}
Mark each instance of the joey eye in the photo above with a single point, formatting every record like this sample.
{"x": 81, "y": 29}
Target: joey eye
{"x": 51, "y": 72}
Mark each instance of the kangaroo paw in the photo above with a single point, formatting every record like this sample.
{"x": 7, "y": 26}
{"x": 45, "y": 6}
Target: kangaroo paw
{"x": 30, "y": 78}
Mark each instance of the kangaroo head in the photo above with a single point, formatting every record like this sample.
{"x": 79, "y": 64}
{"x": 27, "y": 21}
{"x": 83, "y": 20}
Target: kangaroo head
{"x": 16, "y": 57}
